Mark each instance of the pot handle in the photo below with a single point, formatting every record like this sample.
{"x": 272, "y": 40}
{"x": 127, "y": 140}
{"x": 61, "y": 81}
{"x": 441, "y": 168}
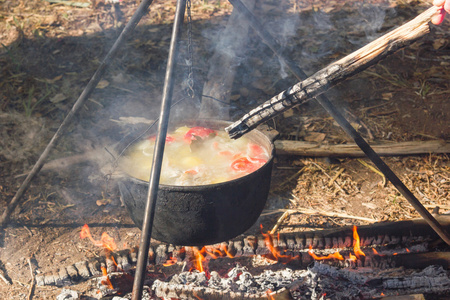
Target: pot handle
{"x": 271, "y": 133}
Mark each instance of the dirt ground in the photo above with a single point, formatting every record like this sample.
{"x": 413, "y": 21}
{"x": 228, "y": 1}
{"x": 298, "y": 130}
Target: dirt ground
{"x": 50, "y": 50}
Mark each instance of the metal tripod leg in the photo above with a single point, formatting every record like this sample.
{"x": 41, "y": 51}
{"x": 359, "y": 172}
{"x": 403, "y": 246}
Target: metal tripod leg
{"x": 155, "y": 173}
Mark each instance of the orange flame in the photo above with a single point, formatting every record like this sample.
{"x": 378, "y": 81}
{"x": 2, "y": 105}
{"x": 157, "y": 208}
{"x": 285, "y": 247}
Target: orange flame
{"x": 356, "y": 244}
{"x": 199, "y": 258}
{"x": 335, "y": 255}
{"x": 105, "y": 241}
{"x": 106, "y": 281}
{"x": 269, "y": 296}
{"x": 274, "y": 252}
{"x": 352, "y": 257}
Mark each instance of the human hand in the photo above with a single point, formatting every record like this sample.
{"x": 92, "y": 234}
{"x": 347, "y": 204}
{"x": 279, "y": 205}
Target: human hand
{"x": 444, "y": 6}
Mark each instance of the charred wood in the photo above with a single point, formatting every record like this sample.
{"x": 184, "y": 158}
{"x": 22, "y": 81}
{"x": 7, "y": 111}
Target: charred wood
{"x": 392, "y": 237}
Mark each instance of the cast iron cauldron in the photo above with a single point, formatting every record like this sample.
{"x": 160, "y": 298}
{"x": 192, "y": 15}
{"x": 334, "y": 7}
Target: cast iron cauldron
{"x": 206, "y": 214}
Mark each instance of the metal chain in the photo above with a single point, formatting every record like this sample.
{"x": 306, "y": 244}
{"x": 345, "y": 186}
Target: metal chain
{"x": 189, "y": 61}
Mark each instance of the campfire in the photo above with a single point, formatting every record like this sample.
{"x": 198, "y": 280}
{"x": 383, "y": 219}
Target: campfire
{"x": 386, "y": 259}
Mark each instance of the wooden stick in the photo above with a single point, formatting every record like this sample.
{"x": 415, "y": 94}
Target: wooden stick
{"x": 285, "y": 147}
{"x": 335, "y": 73}
{"x": 33, "y": 281}
{"x": 308, "y": 211}
{"x": 4, "y": 278}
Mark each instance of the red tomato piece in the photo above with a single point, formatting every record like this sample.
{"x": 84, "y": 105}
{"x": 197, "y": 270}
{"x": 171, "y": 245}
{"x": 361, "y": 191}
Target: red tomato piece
{"x": 254, "y": 150}
{"x": 244, "y": 165}
{"x": 192, "y": 172}
{"x": 198, "y": 131}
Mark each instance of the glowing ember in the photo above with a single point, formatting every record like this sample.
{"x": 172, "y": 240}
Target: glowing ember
{"x": 170, "y": 261}
{"x": 356, "y": 244}
{"x": 376, "y": 252}
{"x": 105, "y": 241}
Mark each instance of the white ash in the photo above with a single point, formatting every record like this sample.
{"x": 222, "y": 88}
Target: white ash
{"x": 67, "y": 295}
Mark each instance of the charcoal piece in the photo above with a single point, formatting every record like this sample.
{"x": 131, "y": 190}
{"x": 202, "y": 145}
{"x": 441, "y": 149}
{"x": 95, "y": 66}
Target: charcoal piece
{"x": 238, "y": 246}
{"x": 334, "y": 242}
{"x": 341, "y": 242}
{"x": 395, "y": 240}
{"x": 367, "y": 241}
{"x": 290, "y": 243}
{"x": 405, "y": 239}
{"x": 73, "y": 273}
{"x": 299, "y": 242}
{"x": 262, "y": 248}
{"x": 308, "y": 242}
{"x": 179, "y": 253}
{"x": 94, "y": 267}
{"x": 368, "y": 261}
{"x": 40, "y": 280}
{"x": 49, "y": 279}
{"x": 328, "y": 243}
{"x": 386, "y": 240}
{"x": 83, "y": 269}
{"x": 58, "y": 280}
{"x": 161, "y": 254}
{"x": 306, "y": 258}
{"x": 64, "y": 276}
{"x": 378, "y": 240}
{"x": 282, "y": 246}
{"x": 189, "y": 254}
{"x": 348, "y": 242}
{"x": 111, "y": 265}
{"x": 125, "y": 263}
{"x": 317, "y": 242}
{"x": 230, "y": 248}
{"x": 249, "y": 246}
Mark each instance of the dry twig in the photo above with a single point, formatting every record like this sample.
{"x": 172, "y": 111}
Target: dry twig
{"x": 280, "y": 220}
{"x": 373, "y": 169}
{"x": 33, "y": 281}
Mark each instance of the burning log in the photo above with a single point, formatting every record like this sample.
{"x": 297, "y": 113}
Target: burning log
{"x": 292, "y": 248}
{"x": 335, "y": 73}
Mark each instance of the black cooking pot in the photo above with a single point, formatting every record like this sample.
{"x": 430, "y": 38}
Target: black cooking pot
{"x": 207, "y": 214}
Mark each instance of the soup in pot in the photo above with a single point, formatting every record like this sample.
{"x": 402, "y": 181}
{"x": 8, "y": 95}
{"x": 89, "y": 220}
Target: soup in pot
{"x": 195, "y": 156}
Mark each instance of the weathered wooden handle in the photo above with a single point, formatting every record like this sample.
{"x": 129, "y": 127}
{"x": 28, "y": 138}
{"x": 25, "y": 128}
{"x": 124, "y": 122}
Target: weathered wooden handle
{"x": 335, "y": 73}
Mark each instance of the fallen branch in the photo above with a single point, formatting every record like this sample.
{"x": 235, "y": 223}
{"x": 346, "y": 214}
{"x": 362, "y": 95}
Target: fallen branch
{"x": 285, "y": 147}
{"x": 335, "y": 73}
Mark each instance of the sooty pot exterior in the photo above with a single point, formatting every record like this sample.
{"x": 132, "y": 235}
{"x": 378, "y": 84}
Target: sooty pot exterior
{"x": 203, "y": 215}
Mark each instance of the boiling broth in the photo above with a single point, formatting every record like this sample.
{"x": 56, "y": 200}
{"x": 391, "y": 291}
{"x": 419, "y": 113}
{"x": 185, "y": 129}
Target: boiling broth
{"x": 195, "y": 156}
